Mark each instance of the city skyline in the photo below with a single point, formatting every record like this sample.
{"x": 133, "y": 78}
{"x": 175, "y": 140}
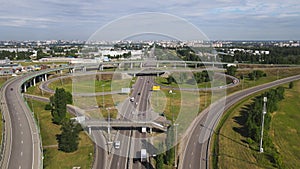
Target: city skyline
{"x": 217, "y": 19}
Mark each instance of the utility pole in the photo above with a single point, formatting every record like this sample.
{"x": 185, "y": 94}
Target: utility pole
{"x": 262, "y": 125}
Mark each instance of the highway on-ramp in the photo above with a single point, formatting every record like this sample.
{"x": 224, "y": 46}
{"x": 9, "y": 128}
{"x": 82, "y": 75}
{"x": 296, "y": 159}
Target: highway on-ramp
{"x": 196, "y": 154}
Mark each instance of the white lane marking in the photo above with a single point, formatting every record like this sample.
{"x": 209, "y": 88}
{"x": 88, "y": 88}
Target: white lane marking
{"x": 21, "y": 132}
{"x": 22, "y": 142}
{"x": 20, "y": 167}
{"x": 192, "y": 153}
{"x": 190, "y": 165}
{"x": 21, "y": 153}
{"x": 118, "y": 163}
{"x": 20, "y": 125}
{"x": 19, "y": 118}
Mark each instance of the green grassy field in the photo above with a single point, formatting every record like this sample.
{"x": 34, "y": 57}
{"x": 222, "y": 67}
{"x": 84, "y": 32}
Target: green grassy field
{"x": 163, "y": 81}
{"x": 272, "y": 75}
{"x": 285, "y": 127}
{"x": 35, "y": 90}
{"x": 90, "y": 86}
{"x": 234, "y": 151}
{"x": 54, "y": 158}
{"x": 3, "y": 80}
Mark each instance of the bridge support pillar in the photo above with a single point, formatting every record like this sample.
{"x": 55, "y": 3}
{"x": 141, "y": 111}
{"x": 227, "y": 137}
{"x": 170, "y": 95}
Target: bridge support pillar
{"x": 25, "y": 88}
{"x": 90, "y": 130}
{"x": 184, "y": 65}
{"x": 157, "y": 74}
{"x": 157, "y": 65}
{"x": 101, "y": 68}
{"x": 141, "y": 65}
{"x": 174, "y": 66}
{"x": 196, "y": 66}
{"x": 46, "y": 77}
{"x": 119, "y": 66}
{"x": 34, "y": 81}
{"x": 150, "y": 130}
{"x": 134, "y": 75}
{"x": 131, "y": 65}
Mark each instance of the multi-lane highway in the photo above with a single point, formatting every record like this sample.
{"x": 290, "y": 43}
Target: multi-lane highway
{"x": 23, "y": 146}
{"x": 197, "y": 149}
{"x": 132, "y": 141}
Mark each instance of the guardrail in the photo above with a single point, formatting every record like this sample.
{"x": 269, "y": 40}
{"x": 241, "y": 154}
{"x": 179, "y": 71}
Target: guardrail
{"x": 6, "y": 136}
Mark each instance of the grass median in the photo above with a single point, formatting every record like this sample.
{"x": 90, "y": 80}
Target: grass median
{"x": 53, "y": 158}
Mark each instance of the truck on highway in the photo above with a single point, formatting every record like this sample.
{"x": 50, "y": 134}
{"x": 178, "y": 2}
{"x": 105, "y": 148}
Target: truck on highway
{"x": 132, "y": 99}
{"x": 143, "y": 155}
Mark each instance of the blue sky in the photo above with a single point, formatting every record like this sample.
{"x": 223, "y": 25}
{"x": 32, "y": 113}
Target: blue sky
{"x": 218, "y": 19}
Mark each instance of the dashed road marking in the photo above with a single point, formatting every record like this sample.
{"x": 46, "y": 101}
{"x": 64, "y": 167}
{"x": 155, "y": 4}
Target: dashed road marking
{"x": 22, "y": 142}
{"x": 21, "y": 153}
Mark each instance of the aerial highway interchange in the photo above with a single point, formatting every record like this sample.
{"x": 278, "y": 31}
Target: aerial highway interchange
{"x": 23, "y": 146}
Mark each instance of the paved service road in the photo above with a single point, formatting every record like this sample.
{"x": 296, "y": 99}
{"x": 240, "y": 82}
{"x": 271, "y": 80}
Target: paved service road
{"x": 196, "y": 154}
{"x": 23, "y": 150}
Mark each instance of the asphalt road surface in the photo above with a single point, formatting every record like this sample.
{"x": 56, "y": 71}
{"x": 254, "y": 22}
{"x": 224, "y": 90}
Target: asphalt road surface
{"x": 196, "y": 154}
{"x": 25, "y": 146}
{"x": 128, "y": 154}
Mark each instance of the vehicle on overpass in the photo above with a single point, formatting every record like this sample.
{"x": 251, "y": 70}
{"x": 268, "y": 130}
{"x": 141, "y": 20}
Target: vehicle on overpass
{"x": 117, "y": 144}
{"x": 143, "y": 155}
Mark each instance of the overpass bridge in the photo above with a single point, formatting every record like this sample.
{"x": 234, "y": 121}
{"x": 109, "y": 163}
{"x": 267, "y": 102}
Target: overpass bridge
{"x": 90, "y": 124}
{"x": 131, "y": 64}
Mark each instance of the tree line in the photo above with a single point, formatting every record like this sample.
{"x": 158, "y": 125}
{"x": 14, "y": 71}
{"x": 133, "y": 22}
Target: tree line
{"x": 183, "y": 77}
{"x": 277, "y": 55}
{"x": 168, "y": 156}
{"x": 253, "y": 122}
{"x": 69, "y": 137}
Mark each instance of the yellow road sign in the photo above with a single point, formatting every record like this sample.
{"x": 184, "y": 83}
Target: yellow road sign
{"x": 155, "y": 88}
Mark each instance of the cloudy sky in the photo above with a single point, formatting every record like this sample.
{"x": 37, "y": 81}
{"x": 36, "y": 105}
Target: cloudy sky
{"x": 218, "y": 19}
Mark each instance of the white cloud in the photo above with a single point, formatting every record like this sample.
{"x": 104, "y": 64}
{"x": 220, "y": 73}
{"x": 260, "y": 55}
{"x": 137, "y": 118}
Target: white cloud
{"x": 60, "y": 14}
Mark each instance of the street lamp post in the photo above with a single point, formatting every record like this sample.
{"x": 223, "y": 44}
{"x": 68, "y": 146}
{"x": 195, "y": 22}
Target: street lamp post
{"x": 108, "y": 128}
{"x": 171, "y": 107}
{"x": 175, "y": 126}
{"x": 262, "y": 125}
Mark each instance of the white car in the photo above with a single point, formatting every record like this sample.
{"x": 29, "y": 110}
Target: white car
{"x": 117, "y": 144}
